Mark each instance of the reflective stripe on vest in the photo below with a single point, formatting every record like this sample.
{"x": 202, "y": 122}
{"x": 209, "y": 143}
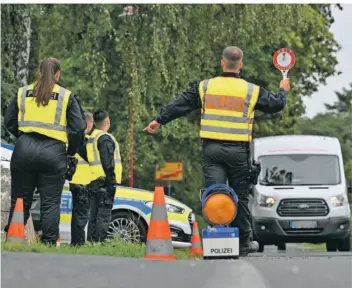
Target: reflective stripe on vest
{"x": 228, "y": 109}
{"x": 82, "y": 175}
{"x": 32, "y": 118}
{"x": 94, "y": 156}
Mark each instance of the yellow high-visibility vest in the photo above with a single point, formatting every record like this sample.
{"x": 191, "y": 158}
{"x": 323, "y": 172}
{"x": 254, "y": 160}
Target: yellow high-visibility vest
{"x": 47, "y": 120}
{"x": 82, "y": 175}
{"x": 228, "y": 108}
{"x": 93, "y": 155}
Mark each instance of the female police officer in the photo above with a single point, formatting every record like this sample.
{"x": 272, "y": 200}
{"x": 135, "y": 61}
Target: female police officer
{"x": 47, "y": 119}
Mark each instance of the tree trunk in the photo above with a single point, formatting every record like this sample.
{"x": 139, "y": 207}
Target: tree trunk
{"x": 5, "y": 196}
{"x": 22, "y": 60}
{"x": 29, "y": 232}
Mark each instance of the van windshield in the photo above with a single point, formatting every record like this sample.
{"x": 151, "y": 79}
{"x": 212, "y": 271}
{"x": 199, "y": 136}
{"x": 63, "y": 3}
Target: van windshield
{"x": 299, "y": 169}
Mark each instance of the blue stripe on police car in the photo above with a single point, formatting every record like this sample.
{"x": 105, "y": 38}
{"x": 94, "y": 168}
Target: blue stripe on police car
{"x": 66, "y": 204}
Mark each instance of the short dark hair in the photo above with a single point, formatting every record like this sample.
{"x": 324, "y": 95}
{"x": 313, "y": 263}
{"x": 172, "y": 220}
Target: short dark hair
{"x": 99, "y": 116}
{"x": 232, "y": 56}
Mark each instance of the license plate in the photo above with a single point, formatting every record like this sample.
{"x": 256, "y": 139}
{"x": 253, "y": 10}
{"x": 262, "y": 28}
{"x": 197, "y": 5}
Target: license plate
{"x": 303, "y": 224}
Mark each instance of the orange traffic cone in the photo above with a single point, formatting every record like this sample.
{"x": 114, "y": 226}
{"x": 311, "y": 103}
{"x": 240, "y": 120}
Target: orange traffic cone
{"x": 16, "y": 229}
{"x": 195, "y": 240}
{"x": 58, "y": 241}
{"x": 159, "y": 243}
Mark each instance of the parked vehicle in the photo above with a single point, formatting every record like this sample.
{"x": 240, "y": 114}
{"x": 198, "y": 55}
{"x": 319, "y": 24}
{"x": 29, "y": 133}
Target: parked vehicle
{"x": 301, "y": 195}
{"x": 131, "y": 212}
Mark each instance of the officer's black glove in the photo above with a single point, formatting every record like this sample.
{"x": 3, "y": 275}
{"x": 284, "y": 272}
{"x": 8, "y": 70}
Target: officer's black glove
{"x": 71, "y": 167}
{"x": 254, "y": 172}
{"x": 110, "y": 186}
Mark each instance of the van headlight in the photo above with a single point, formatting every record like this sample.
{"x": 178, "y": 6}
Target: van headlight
{"x": 338, "y": 201}
{"x": 171, "y": 208}
{"x": 265, "y": 201}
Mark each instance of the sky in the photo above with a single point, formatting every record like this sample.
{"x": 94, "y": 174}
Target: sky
{"x": 326, "y": 93}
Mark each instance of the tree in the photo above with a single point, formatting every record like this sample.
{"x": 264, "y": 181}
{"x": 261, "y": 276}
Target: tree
{"x": 343, "y": 103}
{"x": 16, "y": 21}
{"x": 335, "y": 123}
{"x": 116, "y": 63}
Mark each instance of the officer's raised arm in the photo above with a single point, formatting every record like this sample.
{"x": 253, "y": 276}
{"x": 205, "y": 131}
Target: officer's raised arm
{"x": 270, "y": 103}
{"x": 181, "y": 105}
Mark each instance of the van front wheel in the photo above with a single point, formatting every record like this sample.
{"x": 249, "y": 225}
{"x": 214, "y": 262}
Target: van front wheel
{"x": 331, "y": 246}
{"x": 345, "y": 244}
{"x": 281, "y": 247}
{"x": 261, "y": 248}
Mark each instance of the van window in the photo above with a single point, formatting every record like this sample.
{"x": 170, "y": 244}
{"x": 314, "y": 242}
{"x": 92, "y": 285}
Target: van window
{"x": 299, "y": 169}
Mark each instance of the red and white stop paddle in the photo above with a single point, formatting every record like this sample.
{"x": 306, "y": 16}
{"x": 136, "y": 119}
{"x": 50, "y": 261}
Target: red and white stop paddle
{"x": 284, "y": 59}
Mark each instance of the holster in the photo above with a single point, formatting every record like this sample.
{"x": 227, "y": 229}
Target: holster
{"x": 81, "y": 192}
{"x": 71, "y": 168}
{"x": 98, "y": 189}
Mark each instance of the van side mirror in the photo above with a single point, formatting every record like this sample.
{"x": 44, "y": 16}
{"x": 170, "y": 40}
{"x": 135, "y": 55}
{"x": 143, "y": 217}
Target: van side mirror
{"x": 349, "y": 189}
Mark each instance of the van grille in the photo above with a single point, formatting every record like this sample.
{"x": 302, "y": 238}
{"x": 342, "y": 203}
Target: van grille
{"x": 302, "y": 208}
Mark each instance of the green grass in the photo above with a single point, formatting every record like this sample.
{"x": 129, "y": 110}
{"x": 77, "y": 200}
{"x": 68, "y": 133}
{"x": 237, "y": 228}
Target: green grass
{"x": 113, "y": 248}
{"x": 318, "y": 247}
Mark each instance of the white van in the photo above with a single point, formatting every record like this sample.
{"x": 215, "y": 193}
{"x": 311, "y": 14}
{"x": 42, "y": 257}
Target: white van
{"x": 301, "y": 195}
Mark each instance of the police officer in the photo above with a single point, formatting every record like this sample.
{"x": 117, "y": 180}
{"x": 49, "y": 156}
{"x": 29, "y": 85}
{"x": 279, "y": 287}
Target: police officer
{"x": 103, "y": 155}
{"x": 45, "y": 117}
{"x": 80, "y": 195}
{"x": 228, "y": 105}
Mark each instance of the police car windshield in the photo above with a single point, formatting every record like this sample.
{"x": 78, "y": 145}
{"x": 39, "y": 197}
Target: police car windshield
{"x": 299, "y": 169}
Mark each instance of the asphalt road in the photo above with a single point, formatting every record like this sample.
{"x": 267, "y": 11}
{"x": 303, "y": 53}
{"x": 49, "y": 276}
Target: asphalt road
{"x": 270, "y": 269}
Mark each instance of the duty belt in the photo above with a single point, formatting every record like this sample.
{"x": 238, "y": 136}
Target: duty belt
{"x": 79, "y": 185}
{"x": 234, "y": 143}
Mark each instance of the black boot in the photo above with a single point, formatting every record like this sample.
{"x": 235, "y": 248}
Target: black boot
{"x": 249, "y": 247}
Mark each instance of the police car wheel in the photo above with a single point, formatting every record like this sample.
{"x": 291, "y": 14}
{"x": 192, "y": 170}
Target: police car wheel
{"x": 127, "y": 227}
{"x": 261, "y": 247}
{"x": 281, "y": 247}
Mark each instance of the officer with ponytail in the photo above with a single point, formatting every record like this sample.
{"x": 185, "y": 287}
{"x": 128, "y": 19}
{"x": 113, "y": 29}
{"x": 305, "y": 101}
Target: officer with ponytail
{"x": 49, "y": 125}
